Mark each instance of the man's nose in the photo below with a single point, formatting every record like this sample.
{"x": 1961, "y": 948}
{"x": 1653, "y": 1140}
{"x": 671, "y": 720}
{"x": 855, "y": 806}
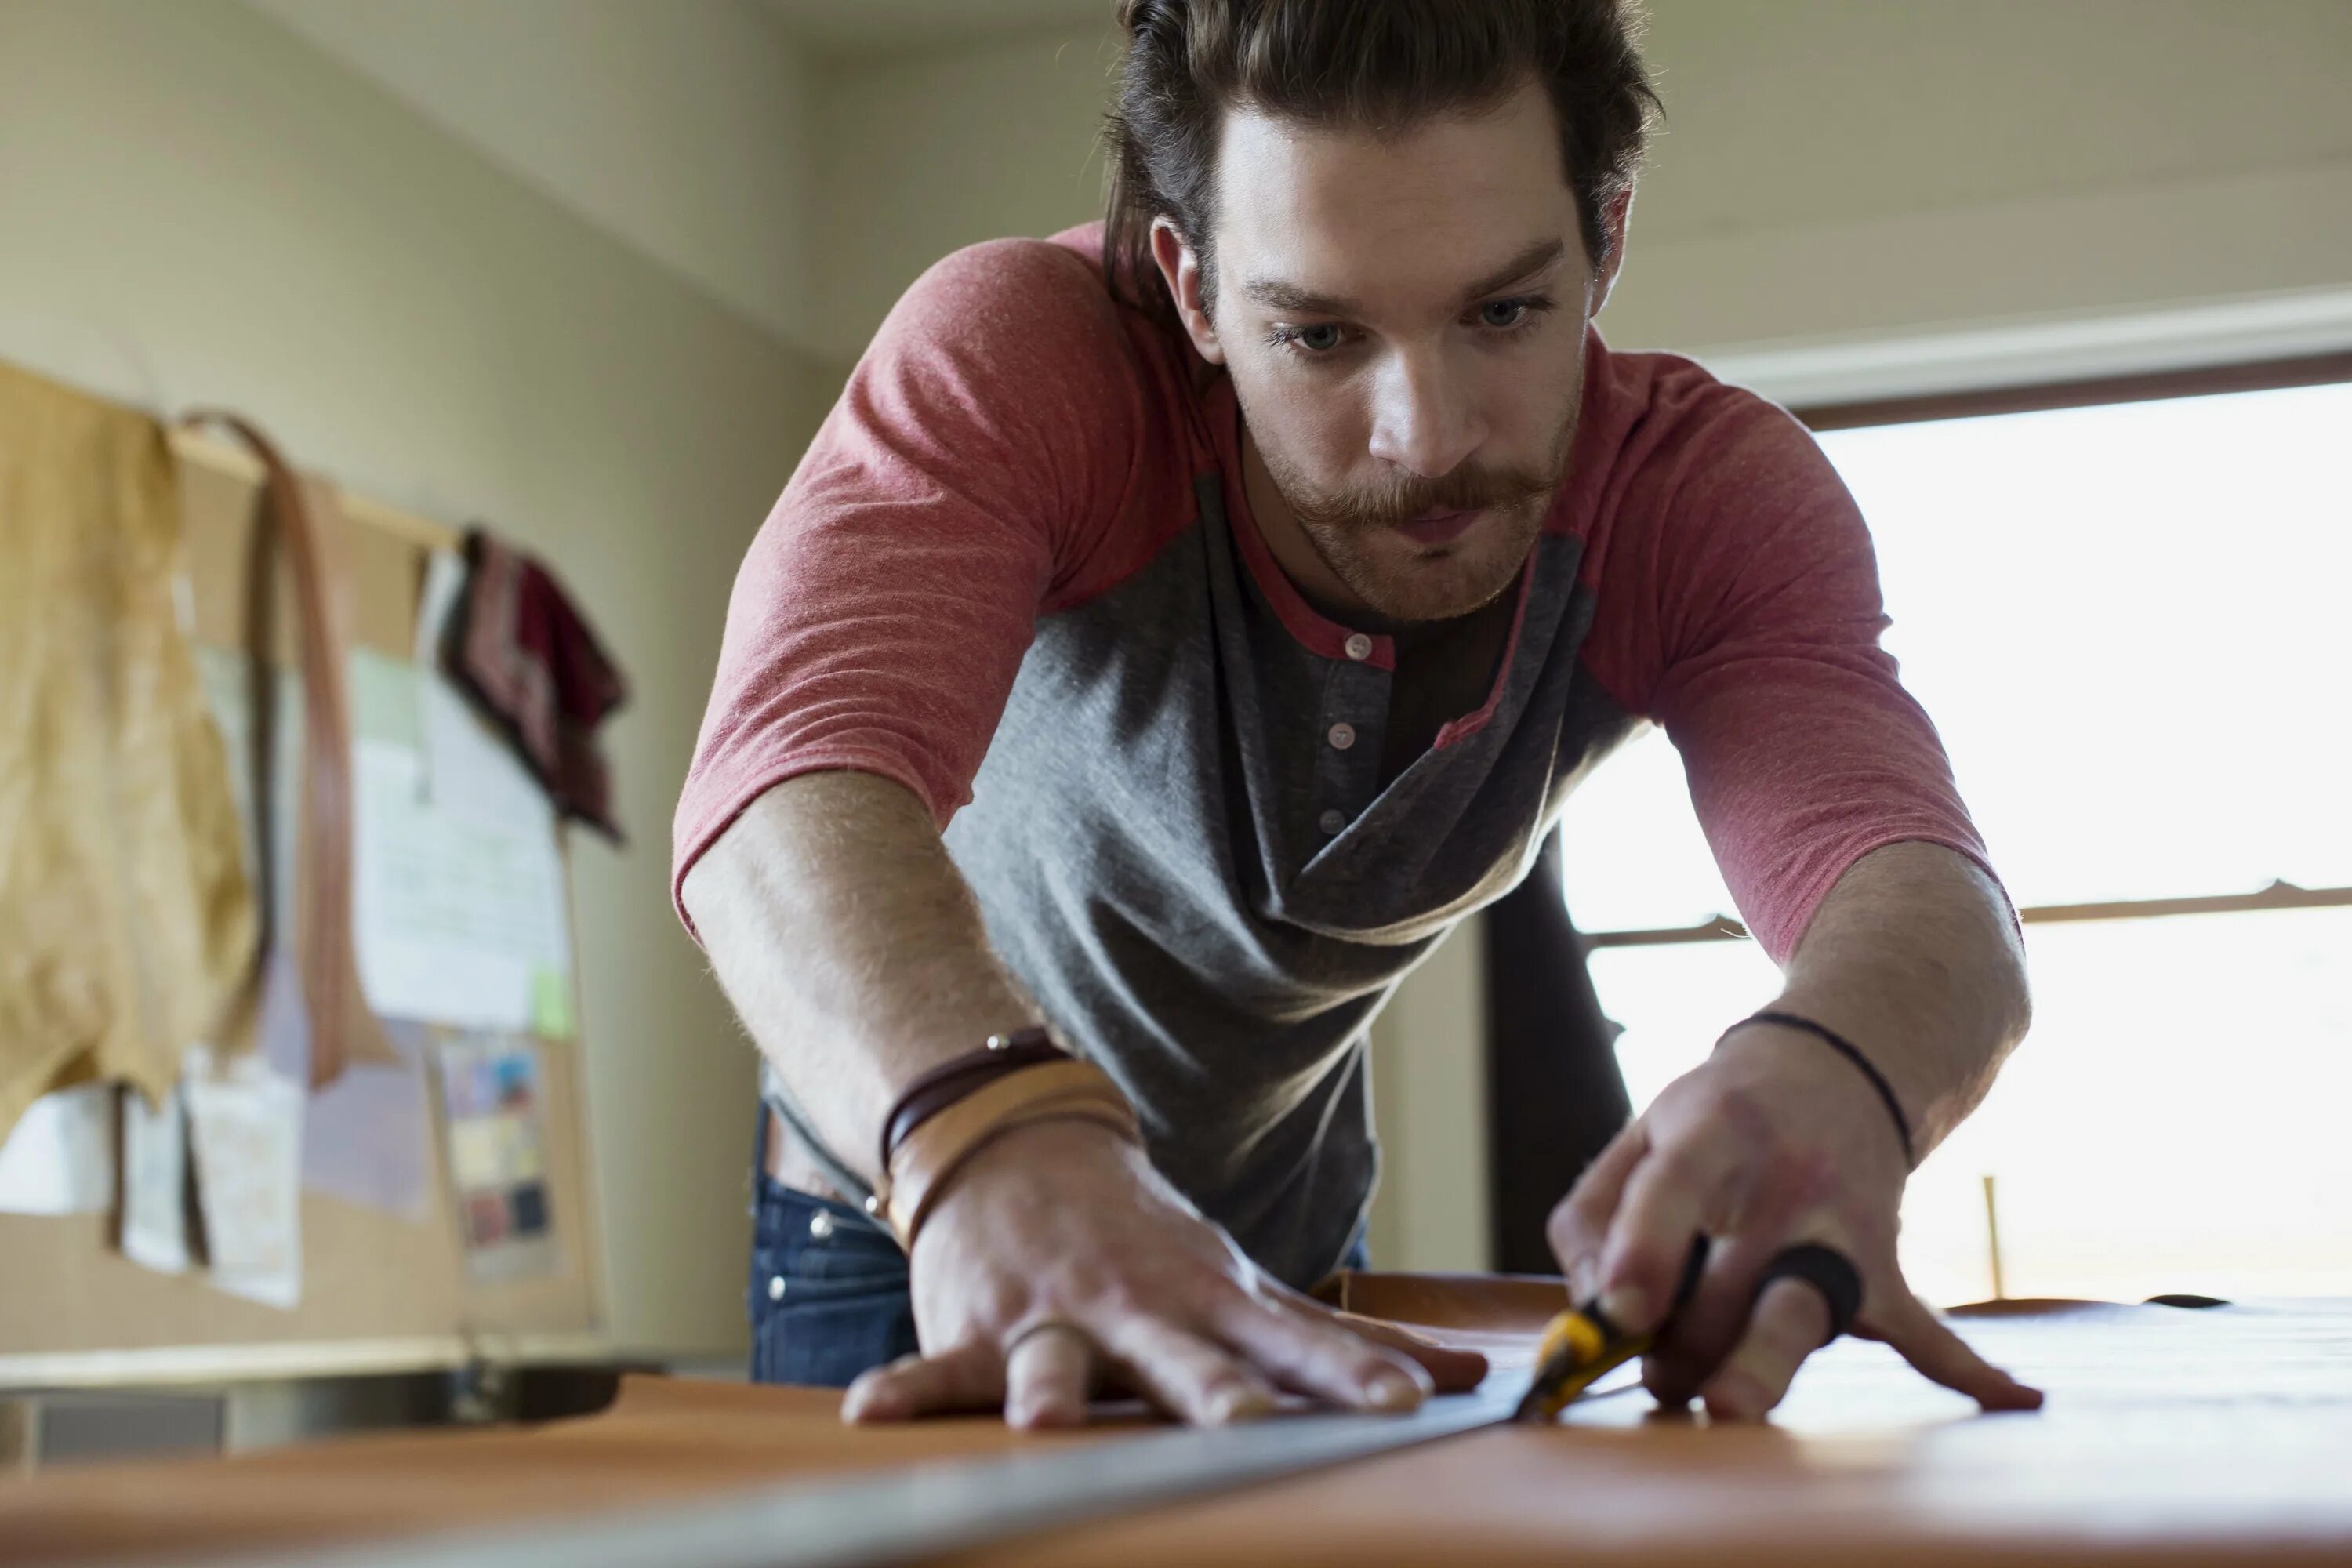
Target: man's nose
{"x": 1424, "y": 419}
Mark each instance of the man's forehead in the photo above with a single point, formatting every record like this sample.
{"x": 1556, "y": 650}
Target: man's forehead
{"x": 1457, "y": 203}
{"x": 1537, "y": 259}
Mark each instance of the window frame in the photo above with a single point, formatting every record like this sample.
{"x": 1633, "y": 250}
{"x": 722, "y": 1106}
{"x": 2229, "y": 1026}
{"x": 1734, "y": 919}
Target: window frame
{"x": 2204, "y": 381}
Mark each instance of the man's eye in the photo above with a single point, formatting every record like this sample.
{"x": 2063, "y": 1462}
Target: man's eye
{"x": 1503, "y": 312}
{"x": 1321, "y": 338}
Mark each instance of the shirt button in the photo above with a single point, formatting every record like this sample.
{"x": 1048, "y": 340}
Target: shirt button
{"x": 1331, "y": 821}
{"x": 1341, "y": 736}
{"x": 820, "y": 1225}
{"x": 1360, "y": 646}
{"x": 775, "y": 1287}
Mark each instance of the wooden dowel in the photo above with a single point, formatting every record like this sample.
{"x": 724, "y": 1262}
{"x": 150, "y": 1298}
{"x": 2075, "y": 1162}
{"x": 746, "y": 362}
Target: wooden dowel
{"x": 223, "y": 458}
{"x": 1992, "y": 1239}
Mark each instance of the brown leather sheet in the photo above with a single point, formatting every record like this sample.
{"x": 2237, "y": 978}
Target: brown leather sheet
{"x": 662, "y": 1440}
{"x": 2220, "y": 1436}
{"x": 2187, "y": 1436}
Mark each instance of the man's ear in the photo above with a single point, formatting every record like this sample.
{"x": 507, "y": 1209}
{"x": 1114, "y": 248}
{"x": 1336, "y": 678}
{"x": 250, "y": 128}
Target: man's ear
{"x": 1181, "y": 269}
{"x": 1613, "y": 218}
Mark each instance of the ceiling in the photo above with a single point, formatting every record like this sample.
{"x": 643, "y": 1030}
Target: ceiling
{"x": 869, "y": 27}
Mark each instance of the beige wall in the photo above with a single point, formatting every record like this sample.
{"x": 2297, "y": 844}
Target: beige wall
{"x": 1850, "y": 197}
{"x": 1844, "y": 172}
{"x": 1833, "y": 174}
{"x": 1429, "y": 1103}
{"x": 196, "y": 205}
{"x": 683, "y": 130}
{"x": 924, "y": 152}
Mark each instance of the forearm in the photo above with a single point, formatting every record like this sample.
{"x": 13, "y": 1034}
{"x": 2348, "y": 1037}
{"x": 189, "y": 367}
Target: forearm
{"x": 1913, "y": 958}
{"x": 850, "y": 946}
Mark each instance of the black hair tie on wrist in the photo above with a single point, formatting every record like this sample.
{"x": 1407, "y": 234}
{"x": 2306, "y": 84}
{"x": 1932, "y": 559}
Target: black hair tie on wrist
{"x": 1826, "y": 1269}
{"x": 1847, "y": 1050}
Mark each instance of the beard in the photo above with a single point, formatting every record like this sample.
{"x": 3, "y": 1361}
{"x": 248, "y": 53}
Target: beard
{"x": 1355, "y": 532}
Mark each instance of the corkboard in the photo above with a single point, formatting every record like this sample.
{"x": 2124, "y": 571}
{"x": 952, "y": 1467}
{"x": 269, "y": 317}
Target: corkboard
{"x": 370, "y": 1279}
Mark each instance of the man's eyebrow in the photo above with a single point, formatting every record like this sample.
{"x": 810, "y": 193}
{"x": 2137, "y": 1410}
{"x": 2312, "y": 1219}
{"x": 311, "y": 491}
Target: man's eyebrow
{"x": 1278, "y": 294}
{"x": 1536, "y": 257}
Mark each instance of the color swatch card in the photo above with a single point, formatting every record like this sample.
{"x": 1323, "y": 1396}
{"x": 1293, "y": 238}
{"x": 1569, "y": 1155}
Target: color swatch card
{"x": 244, "y": 1129}
{"x": 493, "y": 1098}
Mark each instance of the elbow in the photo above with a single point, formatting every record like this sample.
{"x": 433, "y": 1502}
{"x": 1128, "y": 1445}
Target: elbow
{"x": 2010, "y": 989}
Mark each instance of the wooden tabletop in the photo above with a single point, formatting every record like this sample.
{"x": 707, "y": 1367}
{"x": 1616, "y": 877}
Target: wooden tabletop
{"x": 2222, "y": 1435}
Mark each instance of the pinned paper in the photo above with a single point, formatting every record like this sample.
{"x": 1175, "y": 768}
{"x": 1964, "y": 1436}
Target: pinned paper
{"x": 460, "y": 901}
{"x": 367, "y": 1137}
{"x": 155, "y": 1225}
{"x": 60, "y": 1157}
{"x": 493, "y": 1098}
{"x": 472, "y": 769}
{"x": 245, "y": 1125}
{"x": 458, "y": 910}
{"x": 226, "y": 677}
{"x": 445, "y": 582}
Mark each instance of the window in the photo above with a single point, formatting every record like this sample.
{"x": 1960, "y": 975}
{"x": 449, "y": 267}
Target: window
{"x": 2132, "y": 623}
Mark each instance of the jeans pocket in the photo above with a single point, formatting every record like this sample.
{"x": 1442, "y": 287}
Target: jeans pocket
{"x": 824, "y": 1330}
{"x": 828, "y": 1293}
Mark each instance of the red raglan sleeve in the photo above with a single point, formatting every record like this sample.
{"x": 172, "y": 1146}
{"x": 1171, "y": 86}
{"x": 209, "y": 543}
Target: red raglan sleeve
{"x": 979, "y": 461}
{"x": 1742, "y": 613}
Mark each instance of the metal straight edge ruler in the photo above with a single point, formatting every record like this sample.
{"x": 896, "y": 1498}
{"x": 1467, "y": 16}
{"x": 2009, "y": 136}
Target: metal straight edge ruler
{"x": 922, "y": 1509}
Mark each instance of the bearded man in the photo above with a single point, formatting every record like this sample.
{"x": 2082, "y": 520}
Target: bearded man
{"x": 1182, "y": 623}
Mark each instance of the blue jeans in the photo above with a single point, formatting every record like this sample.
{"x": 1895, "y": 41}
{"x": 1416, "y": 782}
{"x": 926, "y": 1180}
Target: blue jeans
{"x": 828, "y": 1296}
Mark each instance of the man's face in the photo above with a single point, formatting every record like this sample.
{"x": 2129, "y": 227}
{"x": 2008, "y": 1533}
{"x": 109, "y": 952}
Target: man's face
{"x": 1403, "y": 320}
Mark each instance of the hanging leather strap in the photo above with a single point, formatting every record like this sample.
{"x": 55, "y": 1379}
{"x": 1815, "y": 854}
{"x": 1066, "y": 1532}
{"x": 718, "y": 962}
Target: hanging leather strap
{"x": 342, "y": 1029}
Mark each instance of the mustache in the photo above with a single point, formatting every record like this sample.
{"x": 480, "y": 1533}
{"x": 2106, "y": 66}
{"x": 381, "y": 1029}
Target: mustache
{"x": 1402, "y": 501}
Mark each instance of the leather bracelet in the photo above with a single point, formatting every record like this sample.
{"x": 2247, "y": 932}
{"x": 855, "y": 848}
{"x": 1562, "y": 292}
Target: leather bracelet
{"x": 1847, "y": 1050}
{"x": 930, "y": 1092}
{"x": 928, "y": 1157}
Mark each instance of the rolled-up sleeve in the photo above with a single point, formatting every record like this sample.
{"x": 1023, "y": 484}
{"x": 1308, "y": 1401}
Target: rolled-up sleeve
{"x": 1755, "y": 589}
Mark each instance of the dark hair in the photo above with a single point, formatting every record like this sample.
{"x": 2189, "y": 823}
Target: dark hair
{"x": 1384, "y": 64}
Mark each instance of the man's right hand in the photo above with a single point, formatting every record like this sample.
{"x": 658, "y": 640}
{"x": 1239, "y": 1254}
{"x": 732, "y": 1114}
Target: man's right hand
{"x": 1059, "y": 1263}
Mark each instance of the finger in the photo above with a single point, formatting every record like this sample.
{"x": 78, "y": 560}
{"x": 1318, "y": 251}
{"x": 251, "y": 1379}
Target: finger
{"x": 1303, "y": 1346}
{"x": 1451, "y": 1369}
{"x": 1792, "y": 1321}
{"x": 1923, "y": 1340}
{"x": 1185, "y": 1375}
{"x": 970, "y": 1377}
{"x": 1579, "y": 1224}
{"x": 1667, "y": 1202}
{"x": 1047, "y": 1377}
{"x": 1708, "y": 1327}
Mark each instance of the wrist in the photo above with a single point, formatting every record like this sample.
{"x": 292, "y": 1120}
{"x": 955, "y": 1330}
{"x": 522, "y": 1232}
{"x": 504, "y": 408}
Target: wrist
{"x": 1034, "y": 1168}
{"x": 927, "y": 1158}
{"x": 1059, "y": 1152}
{"x": 1829, "y": 1059}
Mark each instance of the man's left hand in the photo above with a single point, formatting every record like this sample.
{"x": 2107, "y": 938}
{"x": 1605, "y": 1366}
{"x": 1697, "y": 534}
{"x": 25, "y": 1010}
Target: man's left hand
{"x": 1772, "y": 1142}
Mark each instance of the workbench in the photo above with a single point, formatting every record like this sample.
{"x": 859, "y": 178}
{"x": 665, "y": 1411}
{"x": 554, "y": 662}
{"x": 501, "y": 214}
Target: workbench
{"x": 2220, "y": 1435}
